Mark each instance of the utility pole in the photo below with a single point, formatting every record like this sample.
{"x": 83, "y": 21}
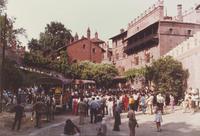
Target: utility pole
{"x": 4, "y": 44}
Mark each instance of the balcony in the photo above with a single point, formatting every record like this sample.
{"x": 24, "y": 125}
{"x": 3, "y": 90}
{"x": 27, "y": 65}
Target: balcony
{"x": 147, "y": 41}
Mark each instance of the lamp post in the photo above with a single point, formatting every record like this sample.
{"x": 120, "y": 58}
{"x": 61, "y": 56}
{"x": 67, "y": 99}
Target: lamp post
{"x": 4, "y": 44}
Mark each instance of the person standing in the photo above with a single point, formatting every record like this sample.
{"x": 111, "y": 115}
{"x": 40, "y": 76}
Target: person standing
{"x": 82, "y": 111}
{"x": 171, "y": 102}
{"x": 131, "y": 102}
{"x": 110, "y": 107}
{"x": 150, "y": 103}
{"x": 143, "y": 103}
{"x": 70, "y": 102}
{"x": 158, "y": 118}
{"x": 104, "y": 104}
{"x": 53, "y": 107}
{"x": 125, "y": 102}
{"x": 75, "y": 105}
{"x": 160, "y": 102}
{"x": 132, "y": 122}
{"x": 186, "y": 102}
{"x": 197, "y": 98}
{"x": 193, "y": 102}
{"x": 37, "y": 107}
{"x": 117, "y": 118}
{"x": 48, "y": 108}
{"x": 136, "y": 101}
{"x": 93, "y": 110}
{"x": 19, "y": 112}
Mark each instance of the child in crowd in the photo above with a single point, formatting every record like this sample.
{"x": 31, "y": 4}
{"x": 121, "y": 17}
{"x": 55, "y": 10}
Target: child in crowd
{"x": 71, "y": 129}
{"x": 102, "y": 130}
{"x": 158, "y": 118}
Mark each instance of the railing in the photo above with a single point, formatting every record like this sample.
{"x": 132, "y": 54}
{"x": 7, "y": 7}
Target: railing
{"x": 136, "y": 44}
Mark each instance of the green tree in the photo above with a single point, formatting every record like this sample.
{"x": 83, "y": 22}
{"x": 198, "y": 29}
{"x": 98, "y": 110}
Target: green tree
{"x": 104, "y": 74}
{"x": 75, "y": 71}
{"x": 64, "y": 67}
{"x": 149, "y": 73}
{"x": 134, "y": 73}
{"x": 43, "y": 52}
{"x": 34, "y": 45}
{"x": 168, "y": 75}
{"x": 36, "y": 60}
{"x": 55, "y": 36}
{"x": 86, "y": 70}
{"x": 12, "y": 34}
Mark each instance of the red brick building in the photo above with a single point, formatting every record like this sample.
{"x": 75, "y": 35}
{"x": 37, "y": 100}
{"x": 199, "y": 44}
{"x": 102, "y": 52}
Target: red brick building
{"x": 86, "y": 48}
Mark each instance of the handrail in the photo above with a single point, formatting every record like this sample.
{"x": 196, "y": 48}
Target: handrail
{"x": 139, "y": 42}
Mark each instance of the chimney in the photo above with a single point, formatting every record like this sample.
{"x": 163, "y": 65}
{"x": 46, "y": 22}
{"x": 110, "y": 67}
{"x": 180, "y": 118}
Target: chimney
{"x": 88, "y": 33}
{"x": 180, "y": 15}
{"x": 160, "y": 2}
{"x": 96, "y": 35}
{"x": 121, "y": 30}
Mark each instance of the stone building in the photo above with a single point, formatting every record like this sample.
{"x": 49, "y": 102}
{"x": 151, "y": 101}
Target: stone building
{"x": 151, "y": 35}
{"x": 86, "y": 48}
{"x": 119, "y": 57}
{"x": 188, "y": 52}
{"x": 107, "y": 56}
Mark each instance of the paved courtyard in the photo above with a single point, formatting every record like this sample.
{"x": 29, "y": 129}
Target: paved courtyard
{"x": 175, "y": 124}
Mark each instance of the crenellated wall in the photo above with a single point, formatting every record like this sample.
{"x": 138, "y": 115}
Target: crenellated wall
{"x": 150, "y": 16}
{"x": 188, "y": 52}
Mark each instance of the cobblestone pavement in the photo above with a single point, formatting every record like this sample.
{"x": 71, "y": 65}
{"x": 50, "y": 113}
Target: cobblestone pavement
{"x": 175, "y": 124}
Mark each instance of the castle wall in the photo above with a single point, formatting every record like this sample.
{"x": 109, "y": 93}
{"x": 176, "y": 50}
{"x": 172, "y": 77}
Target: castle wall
{"x": 173, "y": 33}
{"x": 188, "y": 52}
{"x": 192, "y": 15}
{"x": 150, "y": 16}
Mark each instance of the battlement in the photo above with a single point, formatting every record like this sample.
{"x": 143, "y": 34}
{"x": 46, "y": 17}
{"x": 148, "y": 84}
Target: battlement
{"x": 160, "y": 3}
{"x": 152, "y": 15}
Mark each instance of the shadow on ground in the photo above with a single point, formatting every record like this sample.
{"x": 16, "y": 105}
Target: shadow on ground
{"x": 169, "y": 129}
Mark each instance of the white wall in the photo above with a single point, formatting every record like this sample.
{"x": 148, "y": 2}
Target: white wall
{"x": 188, "y": 53}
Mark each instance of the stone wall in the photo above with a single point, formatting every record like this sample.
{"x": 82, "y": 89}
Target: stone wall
{"x": 173, "y": 33}
{"x": 188, "y": 52}
{"x": 192, "y": 15}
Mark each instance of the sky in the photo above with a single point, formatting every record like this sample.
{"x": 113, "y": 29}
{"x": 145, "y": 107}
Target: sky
{"x": 106, "y": 17}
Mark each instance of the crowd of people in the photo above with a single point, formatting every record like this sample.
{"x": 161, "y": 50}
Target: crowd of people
{"x": 191, "y": 100}
{"x": 103, "y": 105}
{"x": 98, "y": 105}
{"x": 40, "y": 103}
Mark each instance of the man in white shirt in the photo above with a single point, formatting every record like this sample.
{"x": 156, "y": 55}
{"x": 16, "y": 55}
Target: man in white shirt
{"x": 160, "y": 102}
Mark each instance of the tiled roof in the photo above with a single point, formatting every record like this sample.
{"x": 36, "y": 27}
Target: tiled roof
{"x": 96, "y": 40}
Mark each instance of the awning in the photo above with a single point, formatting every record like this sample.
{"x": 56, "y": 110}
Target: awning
{"x": 76, "y": 81}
